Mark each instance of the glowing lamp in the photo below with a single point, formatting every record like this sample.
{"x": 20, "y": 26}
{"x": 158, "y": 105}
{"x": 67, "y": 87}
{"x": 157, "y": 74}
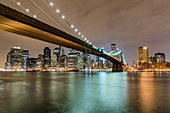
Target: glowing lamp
{"x": 51, "y": 4}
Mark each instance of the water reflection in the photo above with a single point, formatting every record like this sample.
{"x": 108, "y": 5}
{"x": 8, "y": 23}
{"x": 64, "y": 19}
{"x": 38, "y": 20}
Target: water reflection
{"x": 82, "y": 92}
{"x": 151, "y": 91}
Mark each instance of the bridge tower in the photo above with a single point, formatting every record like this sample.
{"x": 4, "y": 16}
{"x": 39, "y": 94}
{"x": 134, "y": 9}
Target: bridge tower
{"x": 117, "y": 67}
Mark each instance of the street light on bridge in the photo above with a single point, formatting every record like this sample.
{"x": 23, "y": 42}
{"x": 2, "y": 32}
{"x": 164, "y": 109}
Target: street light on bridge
{"x": 34, "y": 16}
{"x": 76, "y": 30}
{"x": 27, "y": 10}
{"x": 51, "y": 4}
{"x": 18, "y": 3}
{"x": 63, "y": 17}
{"x": 79, "y": 33}
{"x": 58, "y": 11}
{"x": 72, "y": 26}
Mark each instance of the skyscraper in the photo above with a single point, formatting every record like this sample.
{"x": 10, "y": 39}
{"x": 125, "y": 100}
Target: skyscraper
{"x": 63, "y": 53}
{"x": 53, "y": 60}
{"x": 63, "y": 61}
{"x": 56, "y": 52}
{"x": 31, "y": 63}
{"x": 160, "y": 57}
{"x": 60, "y": 47}
{"x": 25, "y": 55}
{"x": 40, "y": 61}
{"x": 61, "y": 50}
{"x": 101, "y": 58}
{"x": 73, "y": 59}
{"x": 62, "y": 58}
{"x": 158, "y": 61}
{"x": 8, "y": 63}
{"x": 143, "y": 56}
{"x": 113, "y": 47}
{"x": 81, "y": 61}
{"x": 47, "y": 57}
{"x": 100, "y": 64}
{"x": 16, "y": 58}
{"x": 85, "y": 63}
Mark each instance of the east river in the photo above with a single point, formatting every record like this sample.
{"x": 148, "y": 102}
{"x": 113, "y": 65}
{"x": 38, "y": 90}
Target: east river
{"x": 84, "y": 92}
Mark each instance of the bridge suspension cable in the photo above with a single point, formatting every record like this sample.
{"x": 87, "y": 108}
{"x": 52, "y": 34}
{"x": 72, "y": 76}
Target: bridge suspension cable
{"x": 25, "y": 9}
{"x": 33, "y": 15}
{"x": 48, "y": 15}
{"x": 68, "y": 23}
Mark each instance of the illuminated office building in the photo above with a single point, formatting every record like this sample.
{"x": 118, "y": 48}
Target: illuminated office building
{"x": 73, "y": 59}
{"x": 31, "y": 63}
{"x": 40, "y": 61}
{"x": 16, "y": 58}
{"x": 101, "y": 58}
{"x": 53, "y": 60}
{"x": 56, "y": 52}
{"x": 63, "y": 61}
{"x": 143, "y": 56}
{"x": 159, "y": 57}
{"x": 47, "y": 57}
{"x": 80, "y": 61}
{"x": 158, "y": 61}
{"x": 85, "y": 57}
{"x": 61, "y": 50}
{"x": 25, "y": 55}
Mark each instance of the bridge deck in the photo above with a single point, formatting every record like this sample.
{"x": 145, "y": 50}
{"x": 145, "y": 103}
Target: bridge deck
{"x": 19, "y": 23}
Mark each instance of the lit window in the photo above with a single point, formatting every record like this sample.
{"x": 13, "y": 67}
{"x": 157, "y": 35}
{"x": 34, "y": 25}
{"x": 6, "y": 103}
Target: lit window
{"x": 144, "y": 47}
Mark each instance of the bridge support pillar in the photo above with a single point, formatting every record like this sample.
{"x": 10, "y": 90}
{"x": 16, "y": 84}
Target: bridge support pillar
{"x": 117, "y": 67}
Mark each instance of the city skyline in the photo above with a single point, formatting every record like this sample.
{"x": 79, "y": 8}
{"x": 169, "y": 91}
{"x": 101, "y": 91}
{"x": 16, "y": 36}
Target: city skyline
{"x": 135, "y": 31}
{"x": 35, "y": 53}
{"x": 53, "y": 57}
{"x": 19, "y": 59}
{"x": 81, "y": 56}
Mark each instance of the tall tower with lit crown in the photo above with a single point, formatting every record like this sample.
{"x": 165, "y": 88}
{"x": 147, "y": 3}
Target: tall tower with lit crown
{"x": 143, "y": 56}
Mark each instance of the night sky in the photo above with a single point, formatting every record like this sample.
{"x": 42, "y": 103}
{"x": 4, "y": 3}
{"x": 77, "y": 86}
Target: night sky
{"x": 128, "y": 23}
